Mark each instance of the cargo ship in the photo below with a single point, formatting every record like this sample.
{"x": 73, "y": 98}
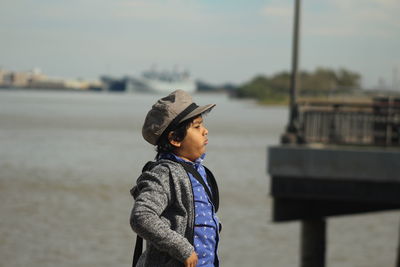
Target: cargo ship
{"x": 151, "y": 81}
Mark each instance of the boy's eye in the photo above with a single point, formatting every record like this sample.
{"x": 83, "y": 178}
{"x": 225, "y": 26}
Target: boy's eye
{"x": 197, "y": 125}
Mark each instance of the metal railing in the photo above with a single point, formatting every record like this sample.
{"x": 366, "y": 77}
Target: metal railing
{"x": 374, "y": 123}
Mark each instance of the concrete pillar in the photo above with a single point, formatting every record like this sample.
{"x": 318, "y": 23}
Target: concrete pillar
{"x": 313, "y": 242}
{"x": 398, "y": 252}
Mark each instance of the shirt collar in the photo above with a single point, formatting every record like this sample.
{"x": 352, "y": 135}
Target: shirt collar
{"x": 172, "y": 156}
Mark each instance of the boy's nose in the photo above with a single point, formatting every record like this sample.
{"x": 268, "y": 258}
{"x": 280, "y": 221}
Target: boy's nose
{"x": 205, "y": 131}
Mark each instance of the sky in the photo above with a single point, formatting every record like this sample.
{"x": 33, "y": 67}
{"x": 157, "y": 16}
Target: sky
{"x": 217, "y": 41}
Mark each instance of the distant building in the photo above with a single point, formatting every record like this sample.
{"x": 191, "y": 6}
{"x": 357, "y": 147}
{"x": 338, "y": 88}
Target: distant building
{"x": 47, "y": 84}
{"x": 3, "y": 77}
{"x": 37, "y": 75}
{"x": 20, "y": 79}
{"x": 82, "y": 85}
{"x": 35, "y": 79}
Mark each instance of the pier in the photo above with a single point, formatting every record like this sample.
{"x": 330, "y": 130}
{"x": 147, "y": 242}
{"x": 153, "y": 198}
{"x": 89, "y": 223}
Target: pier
{"x": 341, "y": 158}
{"x": 335, "y": 158}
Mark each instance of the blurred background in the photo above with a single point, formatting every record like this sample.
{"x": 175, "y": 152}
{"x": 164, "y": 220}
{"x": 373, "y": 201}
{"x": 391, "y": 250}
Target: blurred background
{"x": 78, "y": 77}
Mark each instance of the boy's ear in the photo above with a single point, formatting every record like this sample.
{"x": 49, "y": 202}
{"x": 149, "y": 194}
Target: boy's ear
{"x": 172, "y": 141}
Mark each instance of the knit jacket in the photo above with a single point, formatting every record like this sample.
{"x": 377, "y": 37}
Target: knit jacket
{"x": 163, "y": 214}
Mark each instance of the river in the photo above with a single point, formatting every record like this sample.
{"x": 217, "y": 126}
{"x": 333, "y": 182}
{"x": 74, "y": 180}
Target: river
{"x": 69, "y": 159}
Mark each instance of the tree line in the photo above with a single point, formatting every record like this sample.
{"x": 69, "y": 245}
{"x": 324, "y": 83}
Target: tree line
{"x": 275, "y": 89}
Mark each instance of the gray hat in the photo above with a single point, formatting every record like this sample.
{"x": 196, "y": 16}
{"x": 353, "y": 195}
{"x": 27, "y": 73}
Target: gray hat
{"x": 168, "y": 112}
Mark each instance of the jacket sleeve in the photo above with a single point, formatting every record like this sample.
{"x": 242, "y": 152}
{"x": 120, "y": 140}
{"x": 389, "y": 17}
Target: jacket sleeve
{"x": 152, "y": 197}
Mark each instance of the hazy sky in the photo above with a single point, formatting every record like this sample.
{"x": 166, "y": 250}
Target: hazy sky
{"x": 216, "y": 40}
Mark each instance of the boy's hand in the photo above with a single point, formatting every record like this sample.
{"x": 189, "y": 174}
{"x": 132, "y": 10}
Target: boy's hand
{"x": 192, "y": 260}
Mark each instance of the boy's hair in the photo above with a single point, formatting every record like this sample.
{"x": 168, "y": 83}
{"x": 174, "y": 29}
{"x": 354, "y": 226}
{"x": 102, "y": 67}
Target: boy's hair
{"x": 178, "y": 134}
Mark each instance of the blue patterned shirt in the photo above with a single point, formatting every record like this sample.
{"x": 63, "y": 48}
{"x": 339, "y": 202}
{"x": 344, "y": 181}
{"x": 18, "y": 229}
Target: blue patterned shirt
{"x": 206, "y": 223}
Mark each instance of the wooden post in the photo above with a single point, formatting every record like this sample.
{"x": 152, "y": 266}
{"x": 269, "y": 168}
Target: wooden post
{"x": 313, "y": 239}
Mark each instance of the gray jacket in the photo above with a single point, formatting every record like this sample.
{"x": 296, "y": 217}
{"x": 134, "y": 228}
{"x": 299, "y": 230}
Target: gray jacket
{"x": 163, "y": 214}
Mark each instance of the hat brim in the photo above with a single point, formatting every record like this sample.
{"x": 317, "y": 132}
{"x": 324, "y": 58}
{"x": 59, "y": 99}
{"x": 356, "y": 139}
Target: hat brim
{"x": 198, "y": 111}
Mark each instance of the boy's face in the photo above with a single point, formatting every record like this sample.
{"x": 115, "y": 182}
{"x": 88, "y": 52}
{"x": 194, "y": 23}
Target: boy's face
{"x": 195, "y": 141}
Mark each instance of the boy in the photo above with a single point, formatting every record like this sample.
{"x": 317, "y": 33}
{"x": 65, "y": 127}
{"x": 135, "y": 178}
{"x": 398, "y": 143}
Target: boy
{"x": 176, "y": 198}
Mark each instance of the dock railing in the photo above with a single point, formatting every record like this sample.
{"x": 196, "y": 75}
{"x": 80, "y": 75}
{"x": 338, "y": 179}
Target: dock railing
{"x": 374, "y": 122}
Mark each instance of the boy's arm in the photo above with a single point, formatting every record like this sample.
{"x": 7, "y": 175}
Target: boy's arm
{"x": 146, "y": 221}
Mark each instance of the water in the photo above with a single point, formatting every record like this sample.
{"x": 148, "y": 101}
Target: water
{"x": 68, "y": 160}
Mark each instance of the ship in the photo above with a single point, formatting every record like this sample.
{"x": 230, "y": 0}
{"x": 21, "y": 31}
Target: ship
{"x": 153, "y": 81}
